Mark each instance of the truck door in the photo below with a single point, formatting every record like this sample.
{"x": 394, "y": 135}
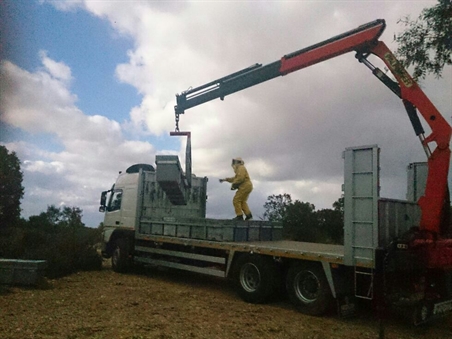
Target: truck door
{"x": 122, "y": 207}
{"x": 113, "y": 213}
{"x": 128, "y": 206}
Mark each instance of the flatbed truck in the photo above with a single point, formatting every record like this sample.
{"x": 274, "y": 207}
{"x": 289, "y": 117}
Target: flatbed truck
{"x": 396, "y": 253}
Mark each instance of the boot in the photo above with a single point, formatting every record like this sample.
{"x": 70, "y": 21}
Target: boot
{"x": 239, "y": 217}
{"x": 249, "y": 216}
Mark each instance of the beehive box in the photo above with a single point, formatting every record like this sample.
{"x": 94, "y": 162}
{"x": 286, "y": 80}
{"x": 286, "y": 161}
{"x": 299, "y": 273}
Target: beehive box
{"x": 214, "y": 229}
{"x": 21, "y": 272}
{"x": 220, "y": 233}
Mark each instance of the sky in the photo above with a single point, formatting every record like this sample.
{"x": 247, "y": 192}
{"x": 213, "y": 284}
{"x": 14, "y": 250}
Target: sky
{"x": 88, "y": 89}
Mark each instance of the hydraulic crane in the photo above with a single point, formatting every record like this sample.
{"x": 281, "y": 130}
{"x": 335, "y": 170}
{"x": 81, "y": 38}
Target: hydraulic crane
{"x": 364, "y": 41}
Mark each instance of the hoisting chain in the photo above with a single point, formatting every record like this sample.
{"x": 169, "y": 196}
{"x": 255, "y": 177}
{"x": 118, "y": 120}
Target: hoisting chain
{"x": 177, "y": 122}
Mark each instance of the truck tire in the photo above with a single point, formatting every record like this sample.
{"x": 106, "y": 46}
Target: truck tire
{"x": 120, "y": 261}
{"x": 256, "y": 278}
{"x": 308, "y": 288}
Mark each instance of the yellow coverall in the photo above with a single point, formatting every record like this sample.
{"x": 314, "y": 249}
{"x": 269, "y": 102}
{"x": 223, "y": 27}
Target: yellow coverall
{"x": 243, "y": 182}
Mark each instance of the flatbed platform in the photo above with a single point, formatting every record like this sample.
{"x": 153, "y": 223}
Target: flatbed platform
{"x": 281, "y": 248}
{"x": 289, "y": 248}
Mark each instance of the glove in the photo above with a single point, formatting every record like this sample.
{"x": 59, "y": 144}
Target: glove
{"x": 221, "y": 180}
{"x": 234, "y": 186}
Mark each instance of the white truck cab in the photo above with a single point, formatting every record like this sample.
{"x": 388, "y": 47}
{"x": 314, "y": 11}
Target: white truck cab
{"x": 120, "y": 203}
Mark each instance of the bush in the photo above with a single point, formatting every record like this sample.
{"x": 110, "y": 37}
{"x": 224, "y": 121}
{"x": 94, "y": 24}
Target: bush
{"x": 66, "y": 249}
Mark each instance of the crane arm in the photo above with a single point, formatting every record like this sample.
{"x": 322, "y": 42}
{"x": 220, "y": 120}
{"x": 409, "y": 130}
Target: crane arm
{"x": 364, "y": 41}
{"x": 359, "y": 39}
{"x": 436, "y": 189}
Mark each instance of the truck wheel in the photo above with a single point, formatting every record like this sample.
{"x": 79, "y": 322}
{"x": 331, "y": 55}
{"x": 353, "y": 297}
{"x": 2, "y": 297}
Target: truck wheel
{"x": 120, "y": 261}
{"x": 308, "y": 289}
{"x": 256, "y": 278}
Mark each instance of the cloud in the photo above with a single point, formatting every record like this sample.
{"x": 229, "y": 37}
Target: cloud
{"x": 35, "y": 102}
{"x": 66, "y": 6}
{"x": 94, "y": 148}
{"x": 58, "y": 70}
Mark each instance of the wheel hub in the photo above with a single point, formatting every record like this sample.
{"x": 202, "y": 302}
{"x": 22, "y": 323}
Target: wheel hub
{"x": 306, "y": 286}
{"x": 250, "y": 277}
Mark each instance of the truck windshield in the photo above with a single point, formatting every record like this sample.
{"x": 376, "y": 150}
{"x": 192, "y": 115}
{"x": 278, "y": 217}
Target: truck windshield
{"x": 115, "y": 201}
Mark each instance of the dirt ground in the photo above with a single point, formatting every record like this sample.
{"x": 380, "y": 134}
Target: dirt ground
{"x": 173, "y": 304}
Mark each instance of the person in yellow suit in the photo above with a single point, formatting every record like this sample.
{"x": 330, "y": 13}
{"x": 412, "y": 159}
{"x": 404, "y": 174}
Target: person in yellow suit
{"x": 242, "y": 183}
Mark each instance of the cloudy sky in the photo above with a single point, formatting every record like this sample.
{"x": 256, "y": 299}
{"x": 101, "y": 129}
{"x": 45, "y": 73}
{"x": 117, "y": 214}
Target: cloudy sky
{"x": 88, "y": 88}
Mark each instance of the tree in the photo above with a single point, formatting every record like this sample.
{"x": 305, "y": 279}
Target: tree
{"x": 57, "y": 217}
{"x": 338, "y": 205}
{"x": 64, "y": 216}
{"x": 72, "y": 216}
{"x": 426, "y": 44}
{"x": 298, "y": 218}
{"x": 52, "y": 215}
{"x": 11, "y": 189}
{"x": 276, "y": 207}
{"x": 302, "y": 222}
{"x": 331, "y": 224}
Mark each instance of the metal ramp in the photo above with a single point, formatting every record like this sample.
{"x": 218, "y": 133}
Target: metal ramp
{"x": 361, "y": 192}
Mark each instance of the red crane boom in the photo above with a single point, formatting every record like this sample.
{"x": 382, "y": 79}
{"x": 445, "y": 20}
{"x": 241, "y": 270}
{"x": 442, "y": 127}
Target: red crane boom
{"x": 364, "y": 41}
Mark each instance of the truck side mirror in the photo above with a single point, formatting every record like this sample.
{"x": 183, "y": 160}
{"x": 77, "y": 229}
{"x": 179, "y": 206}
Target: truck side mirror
{"x": 103, "y": 200}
